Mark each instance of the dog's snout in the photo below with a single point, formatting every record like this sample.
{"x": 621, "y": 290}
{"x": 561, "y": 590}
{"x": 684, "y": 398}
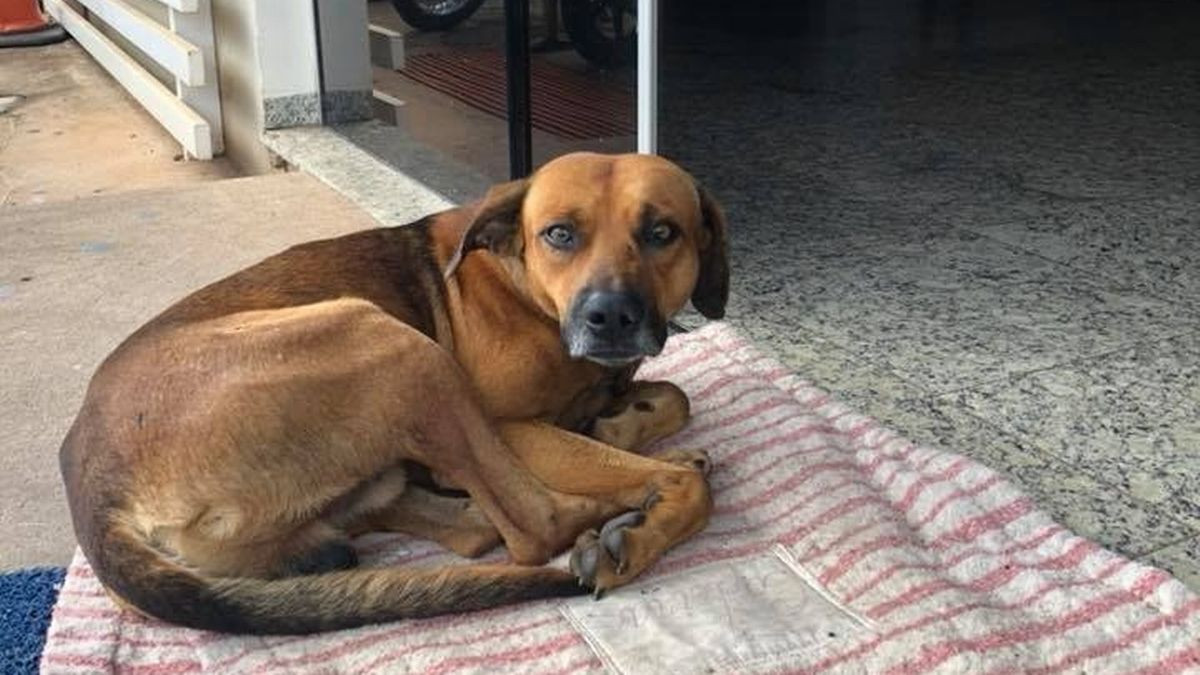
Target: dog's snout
{"x": 613, "y": 327}
{"x": 616, "y": 313}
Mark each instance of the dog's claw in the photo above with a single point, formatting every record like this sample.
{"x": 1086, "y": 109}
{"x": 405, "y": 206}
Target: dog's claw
{"x": 585, "y": 559}
{"x": 612, "y": 537}
{"x": 614, "y": 541}
{"x": 628, "y": 519}
{"x": 596, "y": 552}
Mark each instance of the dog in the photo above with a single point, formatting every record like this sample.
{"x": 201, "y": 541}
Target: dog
{"x": 227, "y": 451}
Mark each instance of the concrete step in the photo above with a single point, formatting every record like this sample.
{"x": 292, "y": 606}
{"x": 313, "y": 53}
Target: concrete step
{"x": 381, "y": 168}
{"x": 387, "y": 47}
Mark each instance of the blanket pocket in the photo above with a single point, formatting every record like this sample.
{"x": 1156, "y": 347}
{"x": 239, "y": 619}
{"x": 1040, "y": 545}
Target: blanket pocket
{"x": 746, "y": 615}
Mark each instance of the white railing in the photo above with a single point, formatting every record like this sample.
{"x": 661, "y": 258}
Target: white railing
{"x": 184, "y": 48}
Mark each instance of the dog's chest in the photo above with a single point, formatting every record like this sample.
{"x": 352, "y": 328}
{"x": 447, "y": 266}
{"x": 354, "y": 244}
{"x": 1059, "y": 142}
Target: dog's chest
{"x": 540, "y": 388}
{"x": 527, "y": 378}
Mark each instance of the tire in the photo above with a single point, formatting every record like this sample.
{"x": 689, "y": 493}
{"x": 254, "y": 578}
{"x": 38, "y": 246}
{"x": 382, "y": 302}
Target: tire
{"x": 434, "y": 15}
{"x": 589, "y": 23}
{"x": 47, "y": 35}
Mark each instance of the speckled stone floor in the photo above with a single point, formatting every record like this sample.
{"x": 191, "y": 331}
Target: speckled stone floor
{"x": 979, "y": 222}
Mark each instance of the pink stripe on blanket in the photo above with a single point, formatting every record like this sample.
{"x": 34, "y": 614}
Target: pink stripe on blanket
{"x": 930, "y": 656}
{"x": 1185, "y": 660}
{"x": 956, "y": 568}
{"x": 1125, "y": 641}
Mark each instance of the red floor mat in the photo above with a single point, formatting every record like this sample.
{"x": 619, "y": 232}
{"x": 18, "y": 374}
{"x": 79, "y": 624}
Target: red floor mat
{"x": 565, "y": 103}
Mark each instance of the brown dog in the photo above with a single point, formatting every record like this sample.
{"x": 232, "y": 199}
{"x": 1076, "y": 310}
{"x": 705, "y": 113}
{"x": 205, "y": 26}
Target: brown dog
{"x": 227, "y": 450}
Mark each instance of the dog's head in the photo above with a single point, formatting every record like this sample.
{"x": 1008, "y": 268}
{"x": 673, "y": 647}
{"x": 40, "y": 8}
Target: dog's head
{"x": 610, "y": 246}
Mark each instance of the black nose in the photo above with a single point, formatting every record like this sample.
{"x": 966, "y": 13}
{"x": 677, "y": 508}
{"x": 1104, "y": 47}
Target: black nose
{"x": 609, "y": 314}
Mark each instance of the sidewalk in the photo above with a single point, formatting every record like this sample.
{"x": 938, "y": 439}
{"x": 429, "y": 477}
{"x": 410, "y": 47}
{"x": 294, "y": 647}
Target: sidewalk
{"x": 75, "y": 133}
{"x": 101, "y": 227}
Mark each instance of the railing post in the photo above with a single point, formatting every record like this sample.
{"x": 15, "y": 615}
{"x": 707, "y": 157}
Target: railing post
{"x": 197, "y": 28}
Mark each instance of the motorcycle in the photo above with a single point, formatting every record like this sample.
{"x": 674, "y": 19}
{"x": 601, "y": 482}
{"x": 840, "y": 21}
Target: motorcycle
{"x": 602, "y": 31}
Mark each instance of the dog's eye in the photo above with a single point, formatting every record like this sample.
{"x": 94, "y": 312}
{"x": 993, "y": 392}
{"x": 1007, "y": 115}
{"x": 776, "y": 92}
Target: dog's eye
{"x": 660, "y": 234}
{"x": 559, "y": 236}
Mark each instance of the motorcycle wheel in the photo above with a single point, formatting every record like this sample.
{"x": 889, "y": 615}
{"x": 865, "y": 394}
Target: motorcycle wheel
{"x": 434, "y": 15}
{"x": 593, "y": 28}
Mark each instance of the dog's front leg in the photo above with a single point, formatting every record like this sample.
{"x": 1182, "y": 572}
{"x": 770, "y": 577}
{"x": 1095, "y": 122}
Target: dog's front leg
{"x": 640, "y": 507}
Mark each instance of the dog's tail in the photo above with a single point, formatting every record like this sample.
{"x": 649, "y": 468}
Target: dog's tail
{"x": 139, "y": 574}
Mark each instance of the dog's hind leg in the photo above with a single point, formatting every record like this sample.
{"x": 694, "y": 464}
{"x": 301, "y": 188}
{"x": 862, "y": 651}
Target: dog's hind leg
{"x": 454, "y": 522}
{"x": 330, "y": 556}
{"x": 312, "y": 548}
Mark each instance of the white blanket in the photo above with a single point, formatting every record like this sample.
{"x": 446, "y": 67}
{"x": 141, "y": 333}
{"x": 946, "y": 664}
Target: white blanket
{"x": 835, "y": 546}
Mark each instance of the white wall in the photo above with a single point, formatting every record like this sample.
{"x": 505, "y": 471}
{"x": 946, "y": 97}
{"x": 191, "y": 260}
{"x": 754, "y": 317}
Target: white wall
{"x": 344, "y": 24}
{"x": 345, "y": 60}
{"x": 241, "y": 90}
{"x": 267, "y": 60}
{"x": 287, "y": 48}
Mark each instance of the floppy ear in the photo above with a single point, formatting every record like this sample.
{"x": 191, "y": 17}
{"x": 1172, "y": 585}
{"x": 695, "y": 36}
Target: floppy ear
{"x": 712, "y": 287}
{"x": 495, "y": 224}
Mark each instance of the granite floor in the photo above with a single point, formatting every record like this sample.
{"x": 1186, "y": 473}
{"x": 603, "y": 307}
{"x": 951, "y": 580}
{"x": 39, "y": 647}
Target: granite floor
{"x": 979, "y": 222}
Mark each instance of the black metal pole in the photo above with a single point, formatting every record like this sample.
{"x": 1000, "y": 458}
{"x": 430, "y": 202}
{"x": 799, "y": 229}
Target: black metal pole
{"x": 520, "y": 128}
{"x": 316, "y": 7}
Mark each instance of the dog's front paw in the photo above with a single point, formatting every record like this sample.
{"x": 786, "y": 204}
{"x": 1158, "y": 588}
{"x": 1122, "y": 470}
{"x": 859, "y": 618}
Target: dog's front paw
{"x": 602, "y": 560}
{"x": 628, "y": 544}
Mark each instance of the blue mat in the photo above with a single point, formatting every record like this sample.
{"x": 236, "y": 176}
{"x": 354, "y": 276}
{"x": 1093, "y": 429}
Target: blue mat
{"x": 26, "y": 599}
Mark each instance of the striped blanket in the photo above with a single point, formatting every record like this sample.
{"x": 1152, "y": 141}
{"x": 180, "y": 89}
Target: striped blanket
{"x": 835, "y": 546}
